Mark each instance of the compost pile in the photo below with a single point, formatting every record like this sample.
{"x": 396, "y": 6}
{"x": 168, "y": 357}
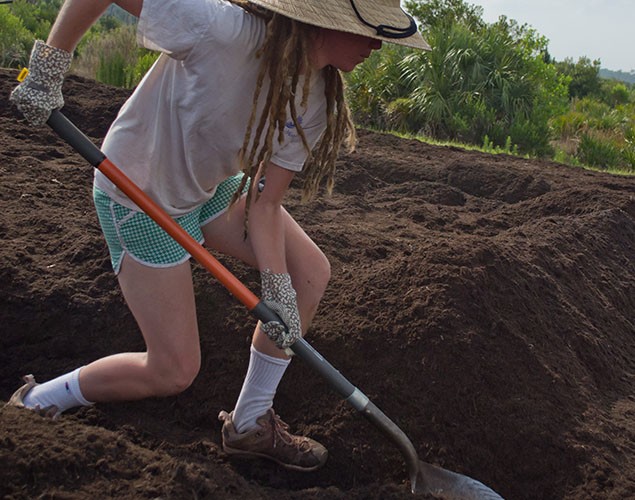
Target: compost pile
{"x": 485, "y": 302}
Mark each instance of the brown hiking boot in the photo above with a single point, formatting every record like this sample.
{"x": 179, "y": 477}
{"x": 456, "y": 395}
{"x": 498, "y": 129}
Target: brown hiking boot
{"x": 272, "y": 440}
{"x": 17, "y": 399}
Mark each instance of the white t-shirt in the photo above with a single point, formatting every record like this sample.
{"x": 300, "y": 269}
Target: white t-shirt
{"x": 178, "y": 135}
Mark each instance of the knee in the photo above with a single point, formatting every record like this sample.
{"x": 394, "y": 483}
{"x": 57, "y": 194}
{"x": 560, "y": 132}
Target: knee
{"x": 182, "y": 379}
{"x": 323, "y": 274}
{"x": 176, "y": 375}
{"x": 317, "y": 278}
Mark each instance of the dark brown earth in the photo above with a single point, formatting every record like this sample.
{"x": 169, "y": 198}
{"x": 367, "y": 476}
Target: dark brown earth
{"x": 485, "y": 303}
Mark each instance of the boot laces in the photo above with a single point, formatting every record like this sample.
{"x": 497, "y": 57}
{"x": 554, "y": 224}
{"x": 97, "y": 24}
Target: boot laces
{"x": 281, "y": 434}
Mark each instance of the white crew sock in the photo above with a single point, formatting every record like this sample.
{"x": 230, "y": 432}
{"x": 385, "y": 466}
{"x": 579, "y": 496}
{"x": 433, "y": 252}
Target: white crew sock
{"x": 63, "y": 392}
{"x": 259, "y": 388}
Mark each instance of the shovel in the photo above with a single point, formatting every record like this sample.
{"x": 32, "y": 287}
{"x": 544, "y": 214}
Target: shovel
{"x": 424, "y": 478}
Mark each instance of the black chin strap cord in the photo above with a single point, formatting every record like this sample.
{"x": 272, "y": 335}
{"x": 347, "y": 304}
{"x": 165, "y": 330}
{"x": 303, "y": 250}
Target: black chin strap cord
{"x": 388, "y": 31}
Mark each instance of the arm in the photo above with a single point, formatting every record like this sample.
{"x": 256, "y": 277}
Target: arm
{"x": 267, "y": 232}
{"x": 41, "y": 91}
{"x": 266, "y": 221}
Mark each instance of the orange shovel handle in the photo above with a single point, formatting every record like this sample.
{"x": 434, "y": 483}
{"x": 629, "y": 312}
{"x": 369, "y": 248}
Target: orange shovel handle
{"x": 198, "y": 252}
{"x": 84, "y": 146}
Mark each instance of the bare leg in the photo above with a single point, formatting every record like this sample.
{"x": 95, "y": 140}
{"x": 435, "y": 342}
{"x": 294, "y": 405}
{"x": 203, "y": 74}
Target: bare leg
{"x": 249, "y": 430}
{"x": 162, "y": 302}
{"x": 310, "y": 272}
{"x": 308, "y": 266}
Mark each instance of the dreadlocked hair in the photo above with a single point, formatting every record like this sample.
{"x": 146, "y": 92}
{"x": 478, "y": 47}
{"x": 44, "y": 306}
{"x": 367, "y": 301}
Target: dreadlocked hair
{"x": 284, "y": 58}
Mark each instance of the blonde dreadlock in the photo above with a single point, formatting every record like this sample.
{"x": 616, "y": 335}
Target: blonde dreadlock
{"x": 284, "y": 58}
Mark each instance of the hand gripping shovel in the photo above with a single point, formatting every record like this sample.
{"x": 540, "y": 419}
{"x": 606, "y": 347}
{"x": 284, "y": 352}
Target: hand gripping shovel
{"x": 424, "y": 478}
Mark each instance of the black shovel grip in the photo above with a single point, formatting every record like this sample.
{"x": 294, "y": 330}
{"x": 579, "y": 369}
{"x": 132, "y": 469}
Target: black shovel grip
{"x": 75, "y": 138}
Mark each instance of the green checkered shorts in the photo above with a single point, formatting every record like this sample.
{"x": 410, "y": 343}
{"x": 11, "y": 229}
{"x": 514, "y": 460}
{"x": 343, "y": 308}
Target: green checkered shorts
{"x": 132, "y": 232}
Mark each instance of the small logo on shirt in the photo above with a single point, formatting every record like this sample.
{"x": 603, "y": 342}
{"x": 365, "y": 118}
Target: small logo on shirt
{"x": 290, "y": 130}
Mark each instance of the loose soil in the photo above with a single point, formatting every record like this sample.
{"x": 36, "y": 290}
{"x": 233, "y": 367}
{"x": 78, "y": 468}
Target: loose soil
{"x": 485, "y": 303}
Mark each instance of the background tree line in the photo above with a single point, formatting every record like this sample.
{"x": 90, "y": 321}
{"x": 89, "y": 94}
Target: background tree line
{"x": 491, "y": 85}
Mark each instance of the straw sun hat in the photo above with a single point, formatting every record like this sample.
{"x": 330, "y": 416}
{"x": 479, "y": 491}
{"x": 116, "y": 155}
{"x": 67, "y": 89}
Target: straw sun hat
{"x": 381, "y": 19}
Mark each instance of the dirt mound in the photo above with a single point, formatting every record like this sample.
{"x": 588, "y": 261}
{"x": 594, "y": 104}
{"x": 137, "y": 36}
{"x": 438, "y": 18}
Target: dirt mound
{"x": 485, "y": 303}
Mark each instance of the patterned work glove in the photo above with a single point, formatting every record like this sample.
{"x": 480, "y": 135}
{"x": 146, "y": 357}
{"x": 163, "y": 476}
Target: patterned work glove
{"x": 41, "y": 91}
{"x": 278, "y": 294}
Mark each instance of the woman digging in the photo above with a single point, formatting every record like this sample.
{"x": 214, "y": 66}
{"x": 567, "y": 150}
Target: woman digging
{"x": 241, "y": 90}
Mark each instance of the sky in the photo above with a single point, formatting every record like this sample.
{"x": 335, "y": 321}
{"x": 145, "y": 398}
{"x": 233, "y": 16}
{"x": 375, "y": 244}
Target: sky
{"x": 597, "y": 29}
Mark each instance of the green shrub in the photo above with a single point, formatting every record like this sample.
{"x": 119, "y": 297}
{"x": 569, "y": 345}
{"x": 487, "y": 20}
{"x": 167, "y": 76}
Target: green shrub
{"x": 597, "y": 151}
{"x": 619, "y": 94}
{"x": 480, "y": 79}
{"x": 111, "y": 69}
{"x": 563, "y": 156}
{"x": 531, "y": 135}
{"x": 37, "y": 15}
{"x": 111, "y": 57}
{"x": 594, "y": 109}
{"x": 398, "y": 114}
{"x": 104, "y": 55}
{"x": 584, "y": 76}
{"x": 570, "y": 124}
{"x": 15, "y": 41}
{"x": 144, "y": 62}
{"x": 628, "y": 154}
{"x": 628, "y": 151}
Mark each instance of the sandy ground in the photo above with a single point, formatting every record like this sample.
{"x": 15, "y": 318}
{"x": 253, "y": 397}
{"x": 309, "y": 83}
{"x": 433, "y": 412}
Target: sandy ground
{"x": 485, "y": 303}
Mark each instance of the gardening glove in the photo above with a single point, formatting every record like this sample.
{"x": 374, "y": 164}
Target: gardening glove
{"x": 278, "y": 294}
{"x": 41, "y": 91}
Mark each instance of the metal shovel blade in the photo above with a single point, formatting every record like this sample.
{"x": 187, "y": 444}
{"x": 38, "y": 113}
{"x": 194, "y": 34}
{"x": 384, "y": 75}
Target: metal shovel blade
{"x": 424, "y": 477}
{"x": 448, "y": 485}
